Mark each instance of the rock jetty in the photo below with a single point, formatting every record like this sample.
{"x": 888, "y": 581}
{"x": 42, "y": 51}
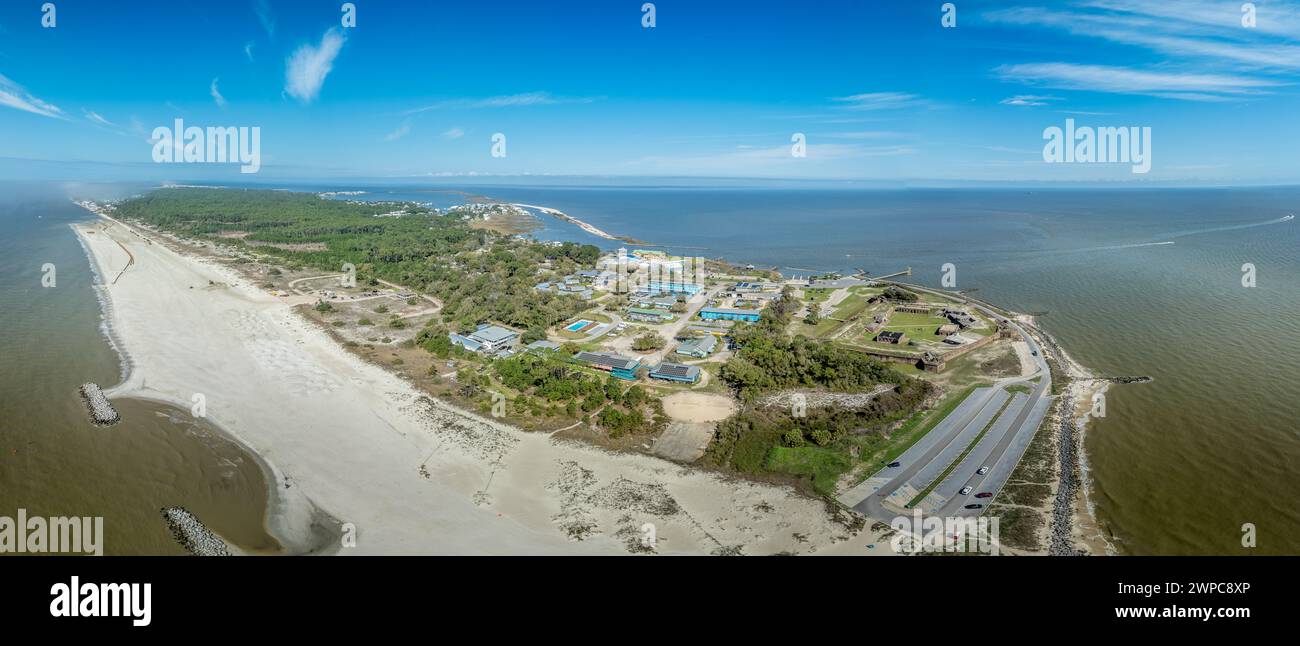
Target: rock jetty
{"x": 102, "y": 412}
{"x": 192, "y": 534}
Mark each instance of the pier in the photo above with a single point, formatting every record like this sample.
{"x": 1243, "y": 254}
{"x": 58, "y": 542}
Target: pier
{"x": 101, "y": 410}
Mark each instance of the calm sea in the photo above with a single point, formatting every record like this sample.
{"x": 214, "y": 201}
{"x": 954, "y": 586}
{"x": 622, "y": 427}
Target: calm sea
{"x": 53, "y": 461}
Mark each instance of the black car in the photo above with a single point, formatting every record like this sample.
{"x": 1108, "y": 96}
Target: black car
{"x": 974, "y": 506}
{"x": 894, "y": 464}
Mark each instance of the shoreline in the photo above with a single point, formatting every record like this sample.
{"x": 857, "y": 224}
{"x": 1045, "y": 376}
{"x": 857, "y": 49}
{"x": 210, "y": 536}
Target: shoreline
{"x": 564, "y": 217}
{"x": 277, "y": 523}
{"x": 349, "y": 441}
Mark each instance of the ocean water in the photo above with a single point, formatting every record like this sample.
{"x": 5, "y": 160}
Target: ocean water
{"x": 53, "y": 461}
{"x": 1131, "y": 282}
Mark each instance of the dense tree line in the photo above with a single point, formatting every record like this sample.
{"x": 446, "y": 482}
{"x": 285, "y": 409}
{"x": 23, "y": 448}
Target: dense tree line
{"x": 479, "y": 275}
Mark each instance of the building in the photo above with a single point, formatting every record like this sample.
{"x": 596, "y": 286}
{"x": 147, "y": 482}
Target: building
{"x": 912, "y": 309}
{"x": 648, "y": 315}
{"x": 895, "y": 338}
{"x": 617, "y": 365}
{"x": 716, "y": 330}
{"x": 488, "y": 339}
{"x": 663, "y": 302}
{"x": 697, "y": 346}
{"x": 748, "y": 287}
{"x": 543, "y": 345}
{"x": 673, "y": 287}
{"x": 676, "y": 372}
{"x": 729, "y": 314}
{"x": 954, "y": 339}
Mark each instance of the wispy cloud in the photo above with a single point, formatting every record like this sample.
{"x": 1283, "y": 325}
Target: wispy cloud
{"x": 265, "y": 16}
{"x": 307, "y": 67}
{"x": 95, "y": 118}
{"x": 454, "y": 133}
{"x": 1210, "y": 55}
{"x": 1029, "y": 100}
{"x": 866, "y": 134}
{"x": 15, "y": 96}
{"x": 401, "y": 131}
{"x": 879, "y": 100}
{"x": 216, "y": 94}
{"x": 1124, "y": 80}
{"x": 248, "y": 50}
{"x": 504, "y": 101}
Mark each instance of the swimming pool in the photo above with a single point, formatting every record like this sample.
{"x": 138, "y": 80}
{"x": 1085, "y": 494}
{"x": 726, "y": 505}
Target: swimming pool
{"x": 577, "y": 325}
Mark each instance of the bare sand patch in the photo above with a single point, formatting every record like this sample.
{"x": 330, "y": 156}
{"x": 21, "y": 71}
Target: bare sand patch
{"x": 694, "y": 407}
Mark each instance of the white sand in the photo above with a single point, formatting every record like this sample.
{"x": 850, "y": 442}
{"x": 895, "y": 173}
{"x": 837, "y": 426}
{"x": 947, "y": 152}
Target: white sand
{"x": 699, "y": 407}
{"x": 356, "y": 444}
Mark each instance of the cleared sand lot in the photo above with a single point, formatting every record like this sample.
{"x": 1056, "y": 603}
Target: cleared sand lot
{"x": 346, "y": 442}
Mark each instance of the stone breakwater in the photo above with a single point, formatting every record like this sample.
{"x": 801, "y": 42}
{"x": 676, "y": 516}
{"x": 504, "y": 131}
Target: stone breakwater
{"x": 1062, "y": 542}
{"x": 192, "y": 534}
{"x": 102, "y": 412}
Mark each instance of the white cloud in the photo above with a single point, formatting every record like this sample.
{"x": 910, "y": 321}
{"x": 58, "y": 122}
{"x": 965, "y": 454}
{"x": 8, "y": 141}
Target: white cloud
{"x": 1028, "y": 100}
{"x": 96, "y": 119}
{"x": 307, "y": 67}
{"x": 400, "y": 132}
{"x": 879, "y": 100}
{"x": 248, "y": 50}
{"x": 216, "y": 94}
{"x": 1124, "y": 80}
{"x": 454, "y": 133}
{"x": 1189, "y": 29}
{"x": 504, "y": 101}
{"x": 13, "y": 95}
{"x": 265, "y": 16}
{"x": 866, "y": 134}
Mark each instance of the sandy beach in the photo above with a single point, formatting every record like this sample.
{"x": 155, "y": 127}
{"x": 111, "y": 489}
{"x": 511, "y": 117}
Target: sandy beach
{"x": 354, "y": 450}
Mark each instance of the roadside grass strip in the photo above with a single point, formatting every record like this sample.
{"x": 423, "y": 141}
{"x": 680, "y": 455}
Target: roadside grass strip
{"x": 909, "y": 433}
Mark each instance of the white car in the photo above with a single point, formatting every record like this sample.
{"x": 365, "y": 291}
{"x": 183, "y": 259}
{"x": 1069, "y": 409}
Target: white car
{"x": 982, "y": 470}
{"x": 965, "y": 490}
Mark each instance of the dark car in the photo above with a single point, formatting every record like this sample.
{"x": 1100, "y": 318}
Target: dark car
{"x": 974, "y": 506}
{"x": 894, "y": 464}
{"x": 984, "y": 494}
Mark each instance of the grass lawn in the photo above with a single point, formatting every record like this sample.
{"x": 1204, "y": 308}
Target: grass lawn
{"x": 824, "y": 465}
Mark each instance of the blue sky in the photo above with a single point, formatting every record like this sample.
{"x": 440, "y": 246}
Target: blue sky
{"x": 881, "y": 90}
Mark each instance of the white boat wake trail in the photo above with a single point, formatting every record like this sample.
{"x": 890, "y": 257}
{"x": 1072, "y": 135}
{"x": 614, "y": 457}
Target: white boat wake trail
{"x": 1167, "y": 239}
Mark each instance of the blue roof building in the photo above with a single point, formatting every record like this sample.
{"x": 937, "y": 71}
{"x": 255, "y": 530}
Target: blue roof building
{"x": 729, "y": 314}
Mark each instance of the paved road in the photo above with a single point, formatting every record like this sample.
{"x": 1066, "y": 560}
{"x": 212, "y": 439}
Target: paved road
{"x": 1000, "y": 449}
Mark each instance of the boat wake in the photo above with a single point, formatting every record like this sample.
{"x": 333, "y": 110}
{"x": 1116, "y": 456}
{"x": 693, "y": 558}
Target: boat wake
{"x": 1168, "y": 238}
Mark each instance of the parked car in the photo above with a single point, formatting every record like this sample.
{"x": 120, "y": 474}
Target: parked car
{"x": 894, "y": 465}
{"x": 984, "y": 494}
{"x": 982, "y": 470}
{"x": 965, "y": 490}
{"x": 974, "y": 506}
